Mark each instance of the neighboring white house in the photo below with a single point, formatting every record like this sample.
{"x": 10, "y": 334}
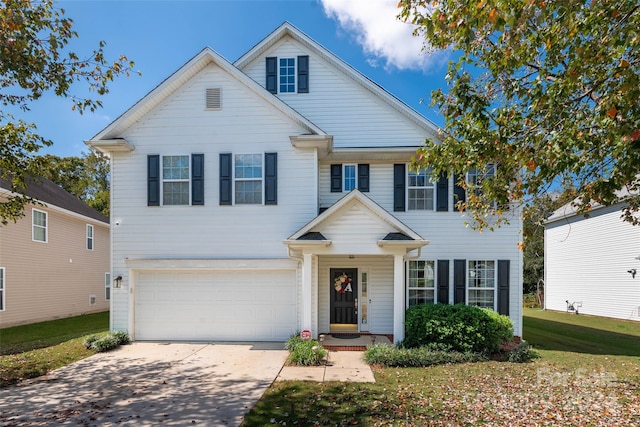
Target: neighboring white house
{"x": 256, "y": 199}
{"x": 592, "y": 265}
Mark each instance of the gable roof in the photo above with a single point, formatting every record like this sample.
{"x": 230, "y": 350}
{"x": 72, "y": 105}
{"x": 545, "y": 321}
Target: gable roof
{"x": 50, "y": 193}
{"x": 569, "y": 210}
{"x": 335, "y": 211}
{"x": 289, "y": 30}
{"x": 179, "y": 78}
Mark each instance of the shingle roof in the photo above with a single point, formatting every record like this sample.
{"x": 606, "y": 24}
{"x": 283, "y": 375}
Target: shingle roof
{"x": 49, "y": 193}
{"x": 397, "y": 236}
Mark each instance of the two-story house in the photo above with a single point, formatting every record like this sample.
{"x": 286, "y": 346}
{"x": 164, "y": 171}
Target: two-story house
{"x": 55, "y": 260}
{"x": 254, "y": 199}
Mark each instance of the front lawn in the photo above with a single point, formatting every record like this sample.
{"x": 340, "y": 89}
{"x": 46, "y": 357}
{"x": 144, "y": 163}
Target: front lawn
{"x": 32, "y": 350}
{"x": 589, "y": 374}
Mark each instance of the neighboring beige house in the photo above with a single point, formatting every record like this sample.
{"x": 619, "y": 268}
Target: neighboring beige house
{"x": 54, "y": 261}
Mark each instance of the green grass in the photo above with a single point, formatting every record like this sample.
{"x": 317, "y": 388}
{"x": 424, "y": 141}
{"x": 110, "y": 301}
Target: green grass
{"x": 567, "y": 332}
{"x": 32, "y": 350}
{"x": 45, "y": 334}
{"x": 589, "y": 374}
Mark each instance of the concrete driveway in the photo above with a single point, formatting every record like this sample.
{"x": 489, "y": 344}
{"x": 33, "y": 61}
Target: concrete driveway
{"x": 149, "y": 384}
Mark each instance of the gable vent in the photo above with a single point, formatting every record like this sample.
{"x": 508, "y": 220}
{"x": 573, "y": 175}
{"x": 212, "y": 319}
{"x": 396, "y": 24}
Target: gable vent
{"x": 214, "y": 98}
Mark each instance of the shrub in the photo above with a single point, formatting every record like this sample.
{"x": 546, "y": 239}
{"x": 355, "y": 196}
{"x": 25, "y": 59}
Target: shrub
{"x": 459, "y": 328}
{"x": 121, "y": 337}
{"x": 386, "y": 355}
{"x": 305, "y": 353}
{"x": 523, "y": 353}
{"x": 88, "y": 341}
{"x": 106, "y": 343}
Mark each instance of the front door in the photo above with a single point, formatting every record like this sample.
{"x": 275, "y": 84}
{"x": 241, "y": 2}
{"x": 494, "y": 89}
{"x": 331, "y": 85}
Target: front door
{"x": 343, "y": 302}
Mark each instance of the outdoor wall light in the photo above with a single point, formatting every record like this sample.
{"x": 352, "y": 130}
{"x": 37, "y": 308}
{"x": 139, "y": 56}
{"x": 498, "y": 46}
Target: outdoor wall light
{"x": 117, "y": 282}
{"x": 633, "y": 272}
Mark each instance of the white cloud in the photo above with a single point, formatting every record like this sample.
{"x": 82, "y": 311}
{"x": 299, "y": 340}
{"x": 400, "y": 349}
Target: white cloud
{"x": 381, "y": 34}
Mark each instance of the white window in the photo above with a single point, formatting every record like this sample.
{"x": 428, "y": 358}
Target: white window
{"x": 39, "y": 222}
{"x": 248, "y": 179}
{"x": 107, "y": 286}
{"x": 420, "y": 283}
{"x": 421, "y": 190}
{"x": 2, "y": 288}
{"x": 476, "y": 176}
{"x": 89, "y": 237}
{"x": 175, "y": 180}
{"x": 481, "y": 284}
{"x": 287, "y": 75}
{"x": 350, "y": 177}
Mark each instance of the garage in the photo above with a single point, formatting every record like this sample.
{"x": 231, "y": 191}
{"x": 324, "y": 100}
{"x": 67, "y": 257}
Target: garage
{"x": 214, "y": 305}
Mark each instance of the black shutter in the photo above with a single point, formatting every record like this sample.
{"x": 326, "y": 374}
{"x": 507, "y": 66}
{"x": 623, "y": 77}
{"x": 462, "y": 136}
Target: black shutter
{"x": 225, "y": 178}
{"x": 443, "y": 281}
{"x": 503, "y": 286}
{"x": 458, "y": 191}
{"x": 399, "y": 191}
{"x": 336, "y": 178}
{"x": 270, "y": 178}
{"x": 272, "y": 74}
{"x": 153, "y": 180}
{"x": 363, "y": 178}
{"x": 197, "y": 179}
{"x": 303, "y": 74}
{"x": 442, "y": 201}
{"x": 459, "y": 281}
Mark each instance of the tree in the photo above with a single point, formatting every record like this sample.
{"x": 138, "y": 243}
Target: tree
{"x": 85, "y": 177}
{"x": 546, "y": 90}
{"x": 35, "y": 59}
{"x": 537, "y": 212}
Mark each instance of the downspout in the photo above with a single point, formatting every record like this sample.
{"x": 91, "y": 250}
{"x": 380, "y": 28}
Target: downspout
{"x": 414, "y": 257}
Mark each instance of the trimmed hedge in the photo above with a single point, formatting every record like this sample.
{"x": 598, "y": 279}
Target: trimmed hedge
{"x": 459, "y": 328}
{"x": 389, "y": 356}
{"x": 106, "y": 342}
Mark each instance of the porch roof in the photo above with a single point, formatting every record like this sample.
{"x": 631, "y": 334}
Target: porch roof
{"x": 364, "y": 221}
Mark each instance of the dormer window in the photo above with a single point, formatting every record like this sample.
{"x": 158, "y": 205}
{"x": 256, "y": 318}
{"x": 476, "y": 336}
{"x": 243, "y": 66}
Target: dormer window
{"x": 287, "y": 75}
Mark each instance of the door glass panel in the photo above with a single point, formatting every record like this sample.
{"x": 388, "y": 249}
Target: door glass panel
{"x": 365, "y": 298}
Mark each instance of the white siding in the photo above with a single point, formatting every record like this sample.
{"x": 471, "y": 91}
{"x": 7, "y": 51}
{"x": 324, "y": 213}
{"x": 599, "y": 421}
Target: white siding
{"x": 449, "y": 237}
{"x": 586, "y": 261}
{"x": 339, "y": 105}
{"x": 181, "y": 125}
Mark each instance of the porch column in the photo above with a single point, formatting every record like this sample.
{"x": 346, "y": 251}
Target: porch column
{"x": 306, "y": 290}
{"x": 398, "y": 297}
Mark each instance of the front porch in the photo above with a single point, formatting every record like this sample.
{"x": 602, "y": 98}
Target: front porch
{"x": 352, "y": 269}
{"x": 352, "y": 342}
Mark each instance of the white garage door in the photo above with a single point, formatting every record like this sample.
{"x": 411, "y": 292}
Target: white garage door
{"x": 215, "y": 305}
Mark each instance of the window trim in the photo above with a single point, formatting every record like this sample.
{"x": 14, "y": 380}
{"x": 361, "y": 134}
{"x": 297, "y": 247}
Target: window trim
{"x": 489, "y": 172}
{"x": 234, "y": 179}
{"x": 3, "y": 288}
{"x": 344, "y": 176}
{"x": 162, "y": 180}
{"x": 410, "y": 187}
{"x": 46, "y": 226}
{"x": 495, "y": 282}
{"x": 295, "y": 74}
{"x": 434, "y": 286}
{"x": 107, "y": 286}
{"x": 90, "y": 238}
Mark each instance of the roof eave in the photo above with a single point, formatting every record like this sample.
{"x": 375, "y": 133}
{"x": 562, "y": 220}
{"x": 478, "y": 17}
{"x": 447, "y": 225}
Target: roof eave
{"x": 409, "y": 244}
{"x": 107, "y": 146}
{"x": 295, "y": 243}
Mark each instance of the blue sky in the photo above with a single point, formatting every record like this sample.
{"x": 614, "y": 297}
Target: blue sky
{"x": 160, "y": 36}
